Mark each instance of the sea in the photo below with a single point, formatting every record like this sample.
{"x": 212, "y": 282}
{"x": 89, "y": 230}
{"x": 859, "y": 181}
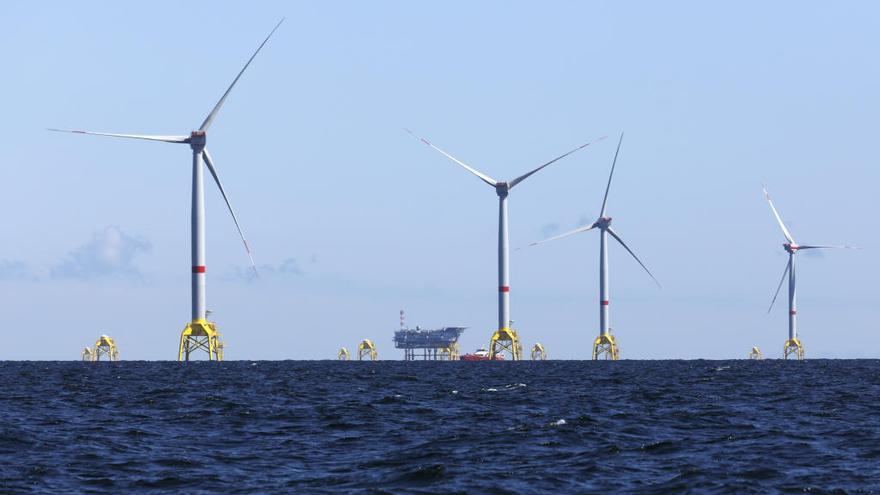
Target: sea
{"x": 697, "y": 426}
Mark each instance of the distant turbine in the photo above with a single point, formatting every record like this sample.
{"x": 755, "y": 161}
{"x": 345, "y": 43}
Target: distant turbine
{"x": 505, "y": 338}
{"x": 605, "y": 345}
{"x": 793, "y": 345}
{"x": 199, "y": 333}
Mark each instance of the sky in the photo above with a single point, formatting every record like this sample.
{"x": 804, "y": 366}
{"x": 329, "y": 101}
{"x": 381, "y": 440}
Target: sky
{"x": 351, "y": 219}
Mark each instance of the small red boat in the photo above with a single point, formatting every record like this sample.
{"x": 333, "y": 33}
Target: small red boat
{"x": 481, "y": 355}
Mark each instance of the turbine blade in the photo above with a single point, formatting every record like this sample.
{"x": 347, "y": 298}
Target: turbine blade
{"x": 778, "y": 218}
{"x": 778, "y": 288}
{"x": 809, "y": 246}
{"x": 614, "y": 235}
{"x": 488, "y": 180}
{"x": 608, "y": 187}
{"x": 164, "y": 139}
{"x": 210, "y": 164}
{"x": 526, "y": 175}
{"x": 210, "y": 118}
{"x": 560, "y": 236}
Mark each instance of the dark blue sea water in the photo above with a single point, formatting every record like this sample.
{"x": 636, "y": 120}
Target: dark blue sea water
{"x": 441, "y": 427}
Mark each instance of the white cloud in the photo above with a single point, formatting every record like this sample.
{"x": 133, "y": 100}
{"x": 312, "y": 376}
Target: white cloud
{"x": 16, "y": 270}
{"x": 111, "y": 252}
{"x": 289, "y": 267}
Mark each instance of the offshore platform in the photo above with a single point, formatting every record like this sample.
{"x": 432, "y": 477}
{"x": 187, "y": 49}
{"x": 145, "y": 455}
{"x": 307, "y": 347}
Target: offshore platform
{"x": 440, "y": 344}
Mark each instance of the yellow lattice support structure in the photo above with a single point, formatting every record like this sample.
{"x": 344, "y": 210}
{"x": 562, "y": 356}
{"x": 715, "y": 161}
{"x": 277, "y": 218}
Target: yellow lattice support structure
{"x": 450, "y": 353}
{"x": 87, "y": 355}
{"x": 605, "y": 347}
{"x": 200, "y": 335}
{"x": 793, "y": 347}
{"x": 105, "y": 346}
{"x": 756, "y": 354}
{"x": 343, "y": 354}
{"x": 367, "y": 349}
{"x": 505, "y": 340}
{"x": 538, "y": 352}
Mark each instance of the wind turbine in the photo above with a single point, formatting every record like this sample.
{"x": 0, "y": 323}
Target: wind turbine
{"x": 199, "y": 334}
{"x": 605, "y": 345}
{"x": 505, "y": 338}
{"x": 793, "y": 345}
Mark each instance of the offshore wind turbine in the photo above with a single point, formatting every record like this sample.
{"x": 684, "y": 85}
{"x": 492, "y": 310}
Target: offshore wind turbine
{"x": 504, "y": 338}
{"x": 605, "y": 345}
{"x": 793, "y": 345}
{"x": 199, "y": 333}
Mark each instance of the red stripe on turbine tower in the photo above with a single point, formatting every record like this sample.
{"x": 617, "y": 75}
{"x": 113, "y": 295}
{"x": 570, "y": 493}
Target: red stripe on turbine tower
{"x": 604, "y": 303}
{"x": 794, "y": 312}
{"x": 504, "y": 288}
{"x": 199, "y": 269}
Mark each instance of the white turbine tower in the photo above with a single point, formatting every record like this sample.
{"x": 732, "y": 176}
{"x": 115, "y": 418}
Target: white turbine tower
{"x": 199, "y": 334}
{"x": 605, "y": 345}
{"x": 793, "y": 345}
{"x": 505, "y": 338}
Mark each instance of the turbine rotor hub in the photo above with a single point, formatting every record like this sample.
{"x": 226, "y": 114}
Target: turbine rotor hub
{"x": 197, "y": 140}
{"x": 502, "y": 188}
{"x": 791, "y": 247}
{"x": 603, "y": 222}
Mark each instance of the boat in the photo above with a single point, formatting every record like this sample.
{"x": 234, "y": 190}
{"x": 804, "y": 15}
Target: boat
{"x": 481, "y": 355}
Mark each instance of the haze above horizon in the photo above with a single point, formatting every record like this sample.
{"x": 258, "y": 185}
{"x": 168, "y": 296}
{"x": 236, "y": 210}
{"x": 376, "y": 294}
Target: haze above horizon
{"x": 350, "y": 219}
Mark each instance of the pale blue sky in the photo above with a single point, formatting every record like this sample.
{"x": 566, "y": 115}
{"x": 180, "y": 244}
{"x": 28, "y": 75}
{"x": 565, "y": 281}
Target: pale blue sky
{"x": 354, "y": 220}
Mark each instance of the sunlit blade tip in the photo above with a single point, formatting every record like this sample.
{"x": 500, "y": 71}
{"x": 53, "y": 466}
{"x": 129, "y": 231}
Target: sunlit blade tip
{"x": 525, "y": 176}
{"x": 211, "y": 116}
{"x": 563, "y": 235}
{"x": 420, "y": 138}
{"x": 147, "y": 137}
{"x": 812, "y": 246}
{"x": 630, "y": 251}
{"x": 610, "y": 176}
{"x": 785, "y": 231}
{"x": 485, "y": 178}
{"x": 210, "y": 164}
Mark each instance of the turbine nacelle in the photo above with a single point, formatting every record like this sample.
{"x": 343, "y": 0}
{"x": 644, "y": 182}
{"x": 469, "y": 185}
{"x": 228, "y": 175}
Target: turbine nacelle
{"x": 502, "y": 189}
{"x": 197, "y": 140}
{"x": 602, "y": 223}
{"x": 791, "y": 248}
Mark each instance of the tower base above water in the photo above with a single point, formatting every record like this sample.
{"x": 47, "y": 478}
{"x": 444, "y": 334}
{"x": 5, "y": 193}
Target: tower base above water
{"x": 200, "y": 335}
{"x": 538, "y": 352}
{"x": 366, "y": 349}
{"x": 793, "y": 347}
{"x": 104, "y": 347}
{"x": 605, "y": 347}
{"x": 505, "y": 340}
